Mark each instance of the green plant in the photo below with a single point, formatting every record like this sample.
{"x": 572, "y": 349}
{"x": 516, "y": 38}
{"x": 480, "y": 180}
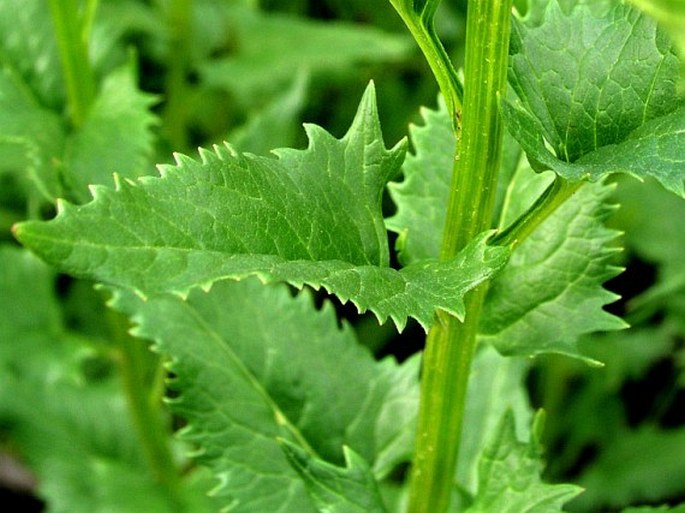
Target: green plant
{"x": 237, "y": 265}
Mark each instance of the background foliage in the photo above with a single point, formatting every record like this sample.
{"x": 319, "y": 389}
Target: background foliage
{"x": 171, "y": 76}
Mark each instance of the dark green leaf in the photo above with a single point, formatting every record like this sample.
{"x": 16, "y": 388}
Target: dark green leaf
{"x": 597, "y": 95}
{"x": 254, "y": 365}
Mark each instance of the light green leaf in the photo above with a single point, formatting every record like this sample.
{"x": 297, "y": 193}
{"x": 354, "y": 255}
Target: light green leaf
{"x": 589, "y": 84}
{"x": 349, "y": 489}
{"x": 421, "y": 198}
{"x": 31, "y": 137}
{"x": 254, "y": 365}
{"x": 509, "y": 475}
{"x": 27, "y": 44}
{"x": 27, "y": 303}
{"x": 307, "y": 217}
{"x": 496, "y": 385}
{"x": 671, "y": 15}
{"x": 116, "y": 136}
{"x": 550, "y": 293}
{"x": 270, "y": 50}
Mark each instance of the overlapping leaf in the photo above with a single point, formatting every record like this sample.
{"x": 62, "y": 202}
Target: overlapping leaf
{"x": 307, "y": 217}
{"x": 621, "y": 474}
{"x": 27, "y": 44}
{"x": 509, "y": 476}
{"x": 496, "y": 385}
{"x": 421, "y": 197}
{"x": 597, "y": 95}
{"x": 334, "y": 489}
{"x": 670, "y": 15}
{"x": 550, "y": 292}
{"x": 255, "y": 366}
{"x": 116, "y": 135}
{"x": 31, "y": 136}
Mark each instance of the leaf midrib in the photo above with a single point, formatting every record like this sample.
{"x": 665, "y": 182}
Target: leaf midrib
{"x": 280, "y": 418}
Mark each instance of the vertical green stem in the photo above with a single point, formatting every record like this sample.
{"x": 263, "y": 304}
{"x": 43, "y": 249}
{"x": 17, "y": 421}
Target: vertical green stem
{"x": 179, "y": 18}
{"x": 72, "y": 42}
{"x": 451, "y": 344}
{"x": 138, "y": 370}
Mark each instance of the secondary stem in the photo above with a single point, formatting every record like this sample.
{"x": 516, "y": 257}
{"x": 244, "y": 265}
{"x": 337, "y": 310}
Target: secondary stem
{"x": 451, "y": 344}
{"x": 422, "y": 28}
{"x": 71, "y": 33}
{"x": 138, "y": 369}
{"x": 554, "y": 196}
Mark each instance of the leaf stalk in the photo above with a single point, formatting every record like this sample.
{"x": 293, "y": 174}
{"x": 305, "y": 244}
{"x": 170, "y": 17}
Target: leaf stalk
{"x": 419, "y": 18}
{"x": 451, "y": 344}
{"x": 554, "y": 196}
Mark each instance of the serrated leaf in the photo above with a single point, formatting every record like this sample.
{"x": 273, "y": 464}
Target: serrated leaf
{"x": 509, "y": 476}
{"x": 308, "y": 217}
{"x": 349, "y": 489}
{"x": 272, "y": 49}
{"x": 421, "y": 198}
{"x": 591, "y": 84}
{"x": 496, "y": 385}
{"x": 254, "y": 365}
{"x": 550, "y": 293}
{"x": 116, "y": 136}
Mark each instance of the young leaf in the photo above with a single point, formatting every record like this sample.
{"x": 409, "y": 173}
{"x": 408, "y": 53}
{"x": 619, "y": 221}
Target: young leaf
{"x": 421, "y": 198}
{"x": 253, "y": 366}
{"x": 351, "y": 489}
{"x": 308, "y": 217}
{"x": 115, "y": 137}
{"x": 576, "y": 96}
{"x": 509, "y": 476}
{"x": 31, "y": 137}
{"x": 550, "y": 293}
{"x": 496, "y": 385}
